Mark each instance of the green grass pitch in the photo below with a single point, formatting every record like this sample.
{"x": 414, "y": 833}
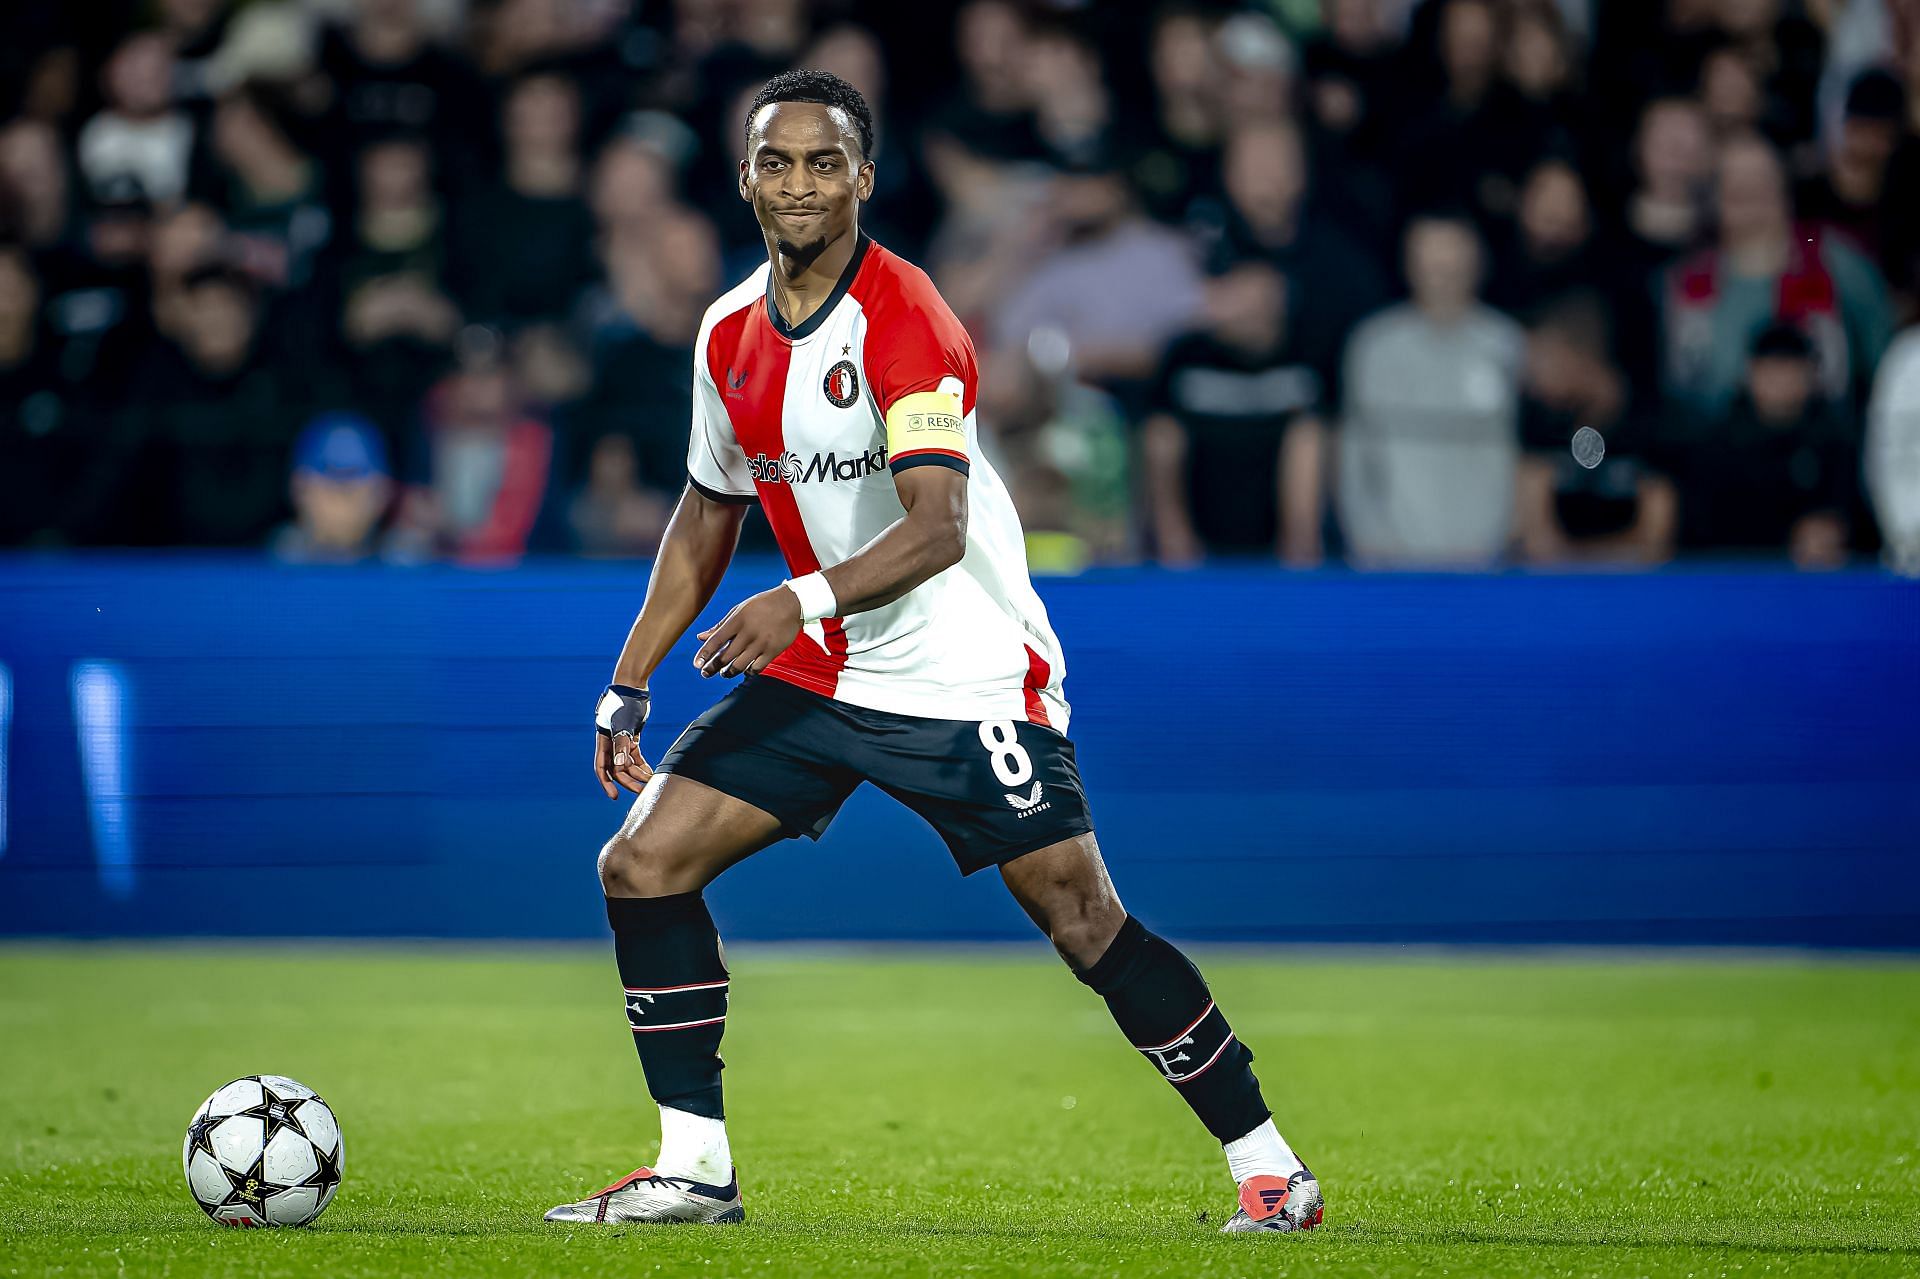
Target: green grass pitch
{"x": 912, "y": 1112}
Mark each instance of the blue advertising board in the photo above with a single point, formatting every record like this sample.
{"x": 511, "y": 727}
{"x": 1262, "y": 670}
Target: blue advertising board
{"x": 221, "y": 747}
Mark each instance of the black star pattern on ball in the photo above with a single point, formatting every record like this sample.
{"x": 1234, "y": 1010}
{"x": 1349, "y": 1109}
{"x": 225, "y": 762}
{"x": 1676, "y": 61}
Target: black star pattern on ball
{"x": 274, "y": 1111}
{"x": 200, "y": 1132}
{"x": 329, "y": 1174}
{"x": 250, "y": 1188}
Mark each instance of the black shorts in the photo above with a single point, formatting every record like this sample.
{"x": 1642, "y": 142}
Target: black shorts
{"x": 993, "y": 789}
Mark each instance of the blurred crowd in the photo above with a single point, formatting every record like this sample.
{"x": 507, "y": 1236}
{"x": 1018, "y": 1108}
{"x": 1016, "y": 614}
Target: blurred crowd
{"x": 1298, "y": 279}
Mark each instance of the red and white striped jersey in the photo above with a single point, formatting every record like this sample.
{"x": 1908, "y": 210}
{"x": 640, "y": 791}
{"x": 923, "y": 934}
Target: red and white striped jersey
{"x": 813, "y": 422}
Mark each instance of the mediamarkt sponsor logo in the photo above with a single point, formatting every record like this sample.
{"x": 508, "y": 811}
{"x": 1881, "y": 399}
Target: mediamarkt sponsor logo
{"x": 789, "y": 469}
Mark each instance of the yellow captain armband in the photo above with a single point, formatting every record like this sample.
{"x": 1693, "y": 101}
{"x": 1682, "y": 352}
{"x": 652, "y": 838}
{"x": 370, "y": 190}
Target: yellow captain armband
{"x": 927, "y": 426}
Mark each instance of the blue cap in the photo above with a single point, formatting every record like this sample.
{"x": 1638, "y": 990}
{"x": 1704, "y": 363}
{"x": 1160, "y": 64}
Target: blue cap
{"x": 341, "y": 446}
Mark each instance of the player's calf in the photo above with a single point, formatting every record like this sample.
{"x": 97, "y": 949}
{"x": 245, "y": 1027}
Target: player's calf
{"x": 1162, "y": 1004}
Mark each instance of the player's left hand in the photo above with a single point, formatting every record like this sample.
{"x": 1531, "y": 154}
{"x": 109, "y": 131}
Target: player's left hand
{"x": 753, "y": 633}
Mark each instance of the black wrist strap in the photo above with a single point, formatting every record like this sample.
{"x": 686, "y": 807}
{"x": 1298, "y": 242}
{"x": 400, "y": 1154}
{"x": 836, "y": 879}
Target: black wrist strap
{"x": 621, "y": 709}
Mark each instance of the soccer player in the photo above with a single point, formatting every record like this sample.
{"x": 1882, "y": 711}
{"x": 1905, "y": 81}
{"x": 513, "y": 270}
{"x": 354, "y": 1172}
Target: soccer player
{"x": 835, "y": 388}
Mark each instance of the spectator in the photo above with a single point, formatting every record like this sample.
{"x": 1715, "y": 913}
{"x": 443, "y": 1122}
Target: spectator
{"x": 1062, "y": 448}
{"x": 994, "y": 229}
{"x": 1073, "y": 109}
{"x": 1351, "y": 69}
{"x": 1235, "y": 452}
{"x": 1541, "y": 65}
{"x": 386, "y": 77}
{"x": 184, "y": 242}
{"x": 101, "y": 292}
{"x": 207, "y": 427}
{"x": 551, "y": 375}
{"x": 528, "y": 242}
{"x": 1259, "y": 66}
{"x": 1774, "y": 471}
{"x": 1851, "y": 195}
{"x": 268, "y": 188}
{"x": 485, "y": 467}
{"x": 901, "y": 205}
{"x": 522, "y": 34}
{"x": 992, "y": 111}
{"x": 1668, "y": 212}
{"x": 39, "y": 63}
{"x": 1784, "y": 49}
{"x": 1468, "y": 146}
{"x": 639, "y": 332}
{"x": 261, "y": 40}
{"x": 341, "y": 488}
{"x": 1271, "y": 217}
{"x": 1181, "y": 159}
{"x": 632, "y": 189}
{"x": 1117, "y": 288}
{"x": 1620, "y": 512}
{"x": 139, "y": 137}
{"x": 1731, "y": 92}
{"x": 1553, "y": 252}
{"x": 1429, "y": 444}
{"x": 1763, "y": 271}
{"x": 1893, "y": 452}
{"x": 614, "y": 514}
{"x": 195, "y": 29}
{"x": 42, "y": 441}
{"x": 1643, "y": 49}
{"x": 36, "y": 208}
{"x": 387, "y": 276}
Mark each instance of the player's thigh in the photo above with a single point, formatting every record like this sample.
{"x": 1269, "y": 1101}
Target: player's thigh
{"x": 1069, "y": 875}
{"x": 679, "y": 835}
{"x": 1067, "y": 893}
{"x": 777, "y": 748}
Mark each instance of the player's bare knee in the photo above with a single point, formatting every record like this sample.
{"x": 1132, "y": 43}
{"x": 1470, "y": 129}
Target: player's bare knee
{"x": 1081, "y": 927}
{"x": 634, "y": 865}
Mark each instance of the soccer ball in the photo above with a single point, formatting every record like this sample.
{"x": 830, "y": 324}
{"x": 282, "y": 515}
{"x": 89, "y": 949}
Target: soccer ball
{"x": 263, "y": 1151}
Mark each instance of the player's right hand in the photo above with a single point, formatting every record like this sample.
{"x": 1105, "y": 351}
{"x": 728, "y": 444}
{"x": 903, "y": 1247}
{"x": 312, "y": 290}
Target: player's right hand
{"x": 617, "y": 721}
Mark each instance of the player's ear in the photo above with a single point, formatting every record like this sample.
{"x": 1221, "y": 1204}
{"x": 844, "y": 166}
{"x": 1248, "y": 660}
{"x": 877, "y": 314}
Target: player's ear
{"x": 745, "y": 194}
{"x": 863, "y": 186}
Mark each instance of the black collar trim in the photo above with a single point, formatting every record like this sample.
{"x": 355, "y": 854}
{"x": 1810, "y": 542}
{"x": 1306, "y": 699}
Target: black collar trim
{"x": 820, "y": 314}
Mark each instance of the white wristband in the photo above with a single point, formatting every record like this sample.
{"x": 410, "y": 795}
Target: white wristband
{"x": 815, "y": 596}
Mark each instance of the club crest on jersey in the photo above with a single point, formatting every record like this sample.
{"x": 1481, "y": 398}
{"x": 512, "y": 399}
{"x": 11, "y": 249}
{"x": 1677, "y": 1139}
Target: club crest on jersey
{"x": 842, "y": 385}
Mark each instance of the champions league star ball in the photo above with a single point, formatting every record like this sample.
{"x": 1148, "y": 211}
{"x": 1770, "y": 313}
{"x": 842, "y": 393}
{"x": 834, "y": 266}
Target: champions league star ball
{"x": 263, "y": 1151}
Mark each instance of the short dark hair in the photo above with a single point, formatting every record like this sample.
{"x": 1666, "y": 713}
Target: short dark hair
{"x": 823, "y": 87}
{"x": 1782, "y": 340}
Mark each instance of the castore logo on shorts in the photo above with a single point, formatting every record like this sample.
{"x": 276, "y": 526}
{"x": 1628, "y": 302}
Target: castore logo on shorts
{"x": 789, "y": 469}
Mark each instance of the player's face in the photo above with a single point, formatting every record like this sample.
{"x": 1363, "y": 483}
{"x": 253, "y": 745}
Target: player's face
{"x": 804, "y": 176}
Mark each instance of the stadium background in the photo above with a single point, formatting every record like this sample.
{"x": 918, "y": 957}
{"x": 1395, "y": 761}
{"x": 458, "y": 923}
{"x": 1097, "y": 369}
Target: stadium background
{"x": 343, "y": 382}
{"x": 367, "y": 321}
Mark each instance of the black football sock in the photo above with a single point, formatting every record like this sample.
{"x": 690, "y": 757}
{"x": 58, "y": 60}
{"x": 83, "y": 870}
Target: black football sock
{"x": 1161, "y": 1002}
{"x": 676, "y": 994}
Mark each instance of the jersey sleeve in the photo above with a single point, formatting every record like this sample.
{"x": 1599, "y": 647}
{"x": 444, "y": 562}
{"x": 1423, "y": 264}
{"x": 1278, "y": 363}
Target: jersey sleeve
{"x": 921, "y": 366}
{"x": 716, "y": 464}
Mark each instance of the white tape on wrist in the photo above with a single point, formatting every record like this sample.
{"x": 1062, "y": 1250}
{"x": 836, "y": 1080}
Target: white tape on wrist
{"x": 815, "y": 596}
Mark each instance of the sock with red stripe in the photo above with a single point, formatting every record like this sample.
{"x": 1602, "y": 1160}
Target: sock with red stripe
{"x": 676, "y": 996}
{"x": 1163, "y": 1007}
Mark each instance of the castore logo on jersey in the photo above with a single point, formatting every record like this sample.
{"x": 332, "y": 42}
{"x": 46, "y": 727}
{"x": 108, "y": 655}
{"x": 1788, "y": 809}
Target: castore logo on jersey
{"x": 789, "y": 469}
